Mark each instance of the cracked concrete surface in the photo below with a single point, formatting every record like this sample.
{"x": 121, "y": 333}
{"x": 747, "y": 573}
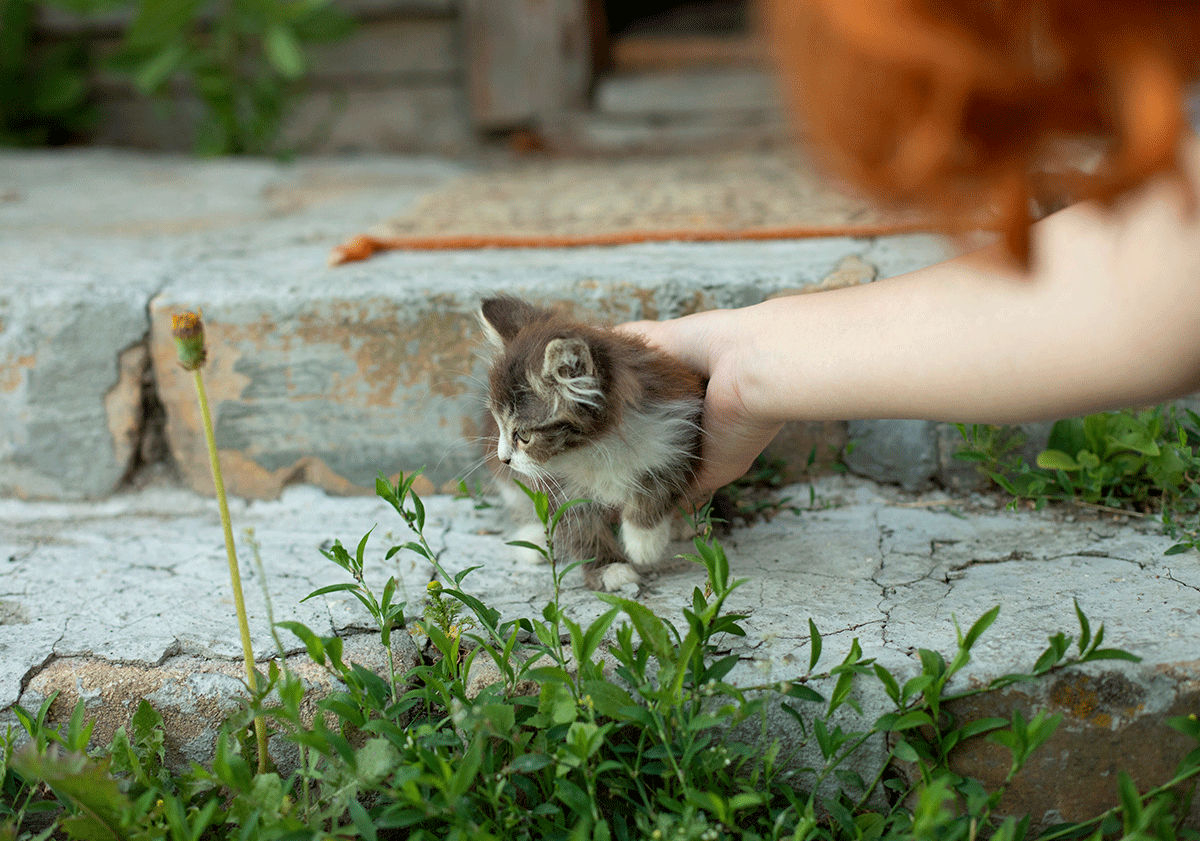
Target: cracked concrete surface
{"x": 128, "y": 598}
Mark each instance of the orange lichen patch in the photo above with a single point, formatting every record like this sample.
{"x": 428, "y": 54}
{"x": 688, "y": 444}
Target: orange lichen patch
{"x": 123, "y": 403}
{"x": 12, "y": 371}
{"x": 245, "y": 477}
{"x": 177, "y": 392}
{"x": 1097, "y": 702}
{"x": 966, "y": 107}
{"x": 389, "y": 351}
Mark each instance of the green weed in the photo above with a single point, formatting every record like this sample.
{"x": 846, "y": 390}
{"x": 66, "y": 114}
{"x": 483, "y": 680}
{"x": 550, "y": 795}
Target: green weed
{"x": 44, "y": 91}
{"x": 629, "y": 727}
{"x": 242, "y": 60}
{"x": 1142, "y": 462}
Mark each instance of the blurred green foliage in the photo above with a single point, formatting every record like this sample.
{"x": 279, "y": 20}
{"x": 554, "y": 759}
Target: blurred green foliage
{"x": 243, "y": 61}
{"x": 44, "y": 97}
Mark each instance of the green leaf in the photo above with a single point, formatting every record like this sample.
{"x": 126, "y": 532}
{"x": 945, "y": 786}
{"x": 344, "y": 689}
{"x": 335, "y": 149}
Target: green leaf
{"x": 410, "y": 546}
{"x": 889, "y": 682}
{"x": 1131, "y": 801}
{"x": 526, "y": 544}
{"x": 572, "y": 797}
{"x": 649, "y": 627}
{"x": 981, "y": 624}
{"x": 332, "y": 588}
{"x": 418, "y": 510}
{"x": 903, "y": 751}
{"x": 283, "y": 51}
{"x": 915, "y": 685}
{"x": 803, "y": 692}
{"x": 1188, "y": 725}
{"x": 527, "y": 763}
{"x": 814, "y": 644}
{"x": 375, "y": 760}
{"x": 594, "y": 634}
{"x": 609, "y": 699}
{"x": 1085, "y": 628}
{"x": 316, "y": 649}
{"x": 154, "y": 73}
{"x": 908, "y": 721}
{"x": 980, "y": 726}
{"x": 561, "y": 511}
{"x": 1068, "y": 436}
{"x": 1111, "y": 654}
{"x": 841, "y": 691}
{"x": 361, "y": 549}
{"x": 1056, "y": 460}
{"x": 81, "y": 781}
{"x": 362, "y": 820}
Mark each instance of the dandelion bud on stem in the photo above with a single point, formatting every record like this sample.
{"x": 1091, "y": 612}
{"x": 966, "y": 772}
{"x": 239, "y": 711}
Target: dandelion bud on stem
{"x": 188, "y": 331}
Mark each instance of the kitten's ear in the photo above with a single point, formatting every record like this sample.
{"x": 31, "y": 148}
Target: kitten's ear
{"x": 569, "y": 367}
{"x": 567, "y": 360}
{"x": 503, "y": 317}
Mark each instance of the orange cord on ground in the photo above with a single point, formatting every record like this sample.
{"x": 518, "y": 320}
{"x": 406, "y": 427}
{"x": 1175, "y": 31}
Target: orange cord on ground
{"x": 363, "y": 246}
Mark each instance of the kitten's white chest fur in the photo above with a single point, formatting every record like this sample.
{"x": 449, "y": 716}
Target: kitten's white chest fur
{"x": 612, "y": 469}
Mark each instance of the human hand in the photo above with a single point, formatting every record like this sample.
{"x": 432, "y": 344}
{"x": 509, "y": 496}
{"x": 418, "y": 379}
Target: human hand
{"x": 707, "y": 343}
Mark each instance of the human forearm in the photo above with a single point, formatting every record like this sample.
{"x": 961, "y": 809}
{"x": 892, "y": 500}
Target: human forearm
{"x": 1109, "y": 315}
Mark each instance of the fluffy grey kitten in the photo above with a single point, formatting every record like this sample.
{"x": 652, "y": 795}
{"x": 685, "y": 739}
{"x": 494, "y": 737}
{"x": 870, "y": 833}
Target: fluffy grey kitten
{"x": 585, "y": 412}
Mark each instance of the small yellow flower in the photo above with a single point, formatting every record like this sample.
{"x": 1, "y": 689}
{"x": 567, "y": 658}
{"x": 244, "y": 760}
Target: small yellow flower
{"x": 188, "y": 332}
{"x": 433, "y": 585}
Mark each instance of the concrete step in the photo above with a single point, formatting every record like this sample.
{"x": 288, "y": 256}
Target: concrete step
{"x": 128, "y": 598}
{"x": 317, "y": 374}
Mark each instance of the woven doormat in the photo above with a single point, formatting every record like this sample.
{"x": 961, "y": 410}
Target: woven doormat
{"x": 561, "y": 203}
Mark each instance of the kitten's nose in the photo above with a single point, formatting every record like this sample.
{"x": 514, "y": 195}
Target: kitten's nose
{"x": 505, "y": 459}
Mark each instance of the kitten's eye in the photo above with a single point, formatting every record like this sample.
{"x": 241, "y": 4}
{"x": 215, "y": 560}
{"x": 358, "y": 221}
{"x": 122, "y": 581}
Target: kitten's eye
{"x": 520, "y": 437}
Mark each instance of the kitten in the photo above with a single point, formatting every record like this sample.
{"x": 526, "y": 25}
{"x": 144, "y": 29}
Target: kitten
{"x": 585, "y": 412}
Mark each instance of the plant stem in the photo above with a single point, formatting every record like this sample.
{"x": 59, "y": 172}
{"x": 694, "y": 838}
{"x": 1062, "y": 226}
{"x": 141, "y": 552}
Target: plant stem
{"x": 235, "y": 579}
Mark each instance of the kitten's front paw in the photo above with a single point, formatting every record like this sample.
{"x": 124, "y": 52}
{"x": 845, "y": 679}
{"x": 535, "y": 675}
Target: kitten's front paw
{"x": 617, "y": 577}
{"x": 645, "y": 547}
{"x": 530, "y": 533}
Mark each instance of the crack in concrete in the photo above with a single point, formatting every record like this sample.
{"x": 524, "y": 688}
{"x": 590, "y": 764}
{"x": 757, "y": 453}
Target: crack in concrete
{"x": 1094, "y": 553}
{"x": 1171, "y": 577}
{"x": 1022, "y": 555}
{"x": 881, "y": 605}
{"x": 35, "y": 670}
{"x": 149, "y": 448}
{"x": 746, "y": 653}
{"x": 169, "y": 570}
{"x": 824, "y": 634}
{"x": 933, "y": 567}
